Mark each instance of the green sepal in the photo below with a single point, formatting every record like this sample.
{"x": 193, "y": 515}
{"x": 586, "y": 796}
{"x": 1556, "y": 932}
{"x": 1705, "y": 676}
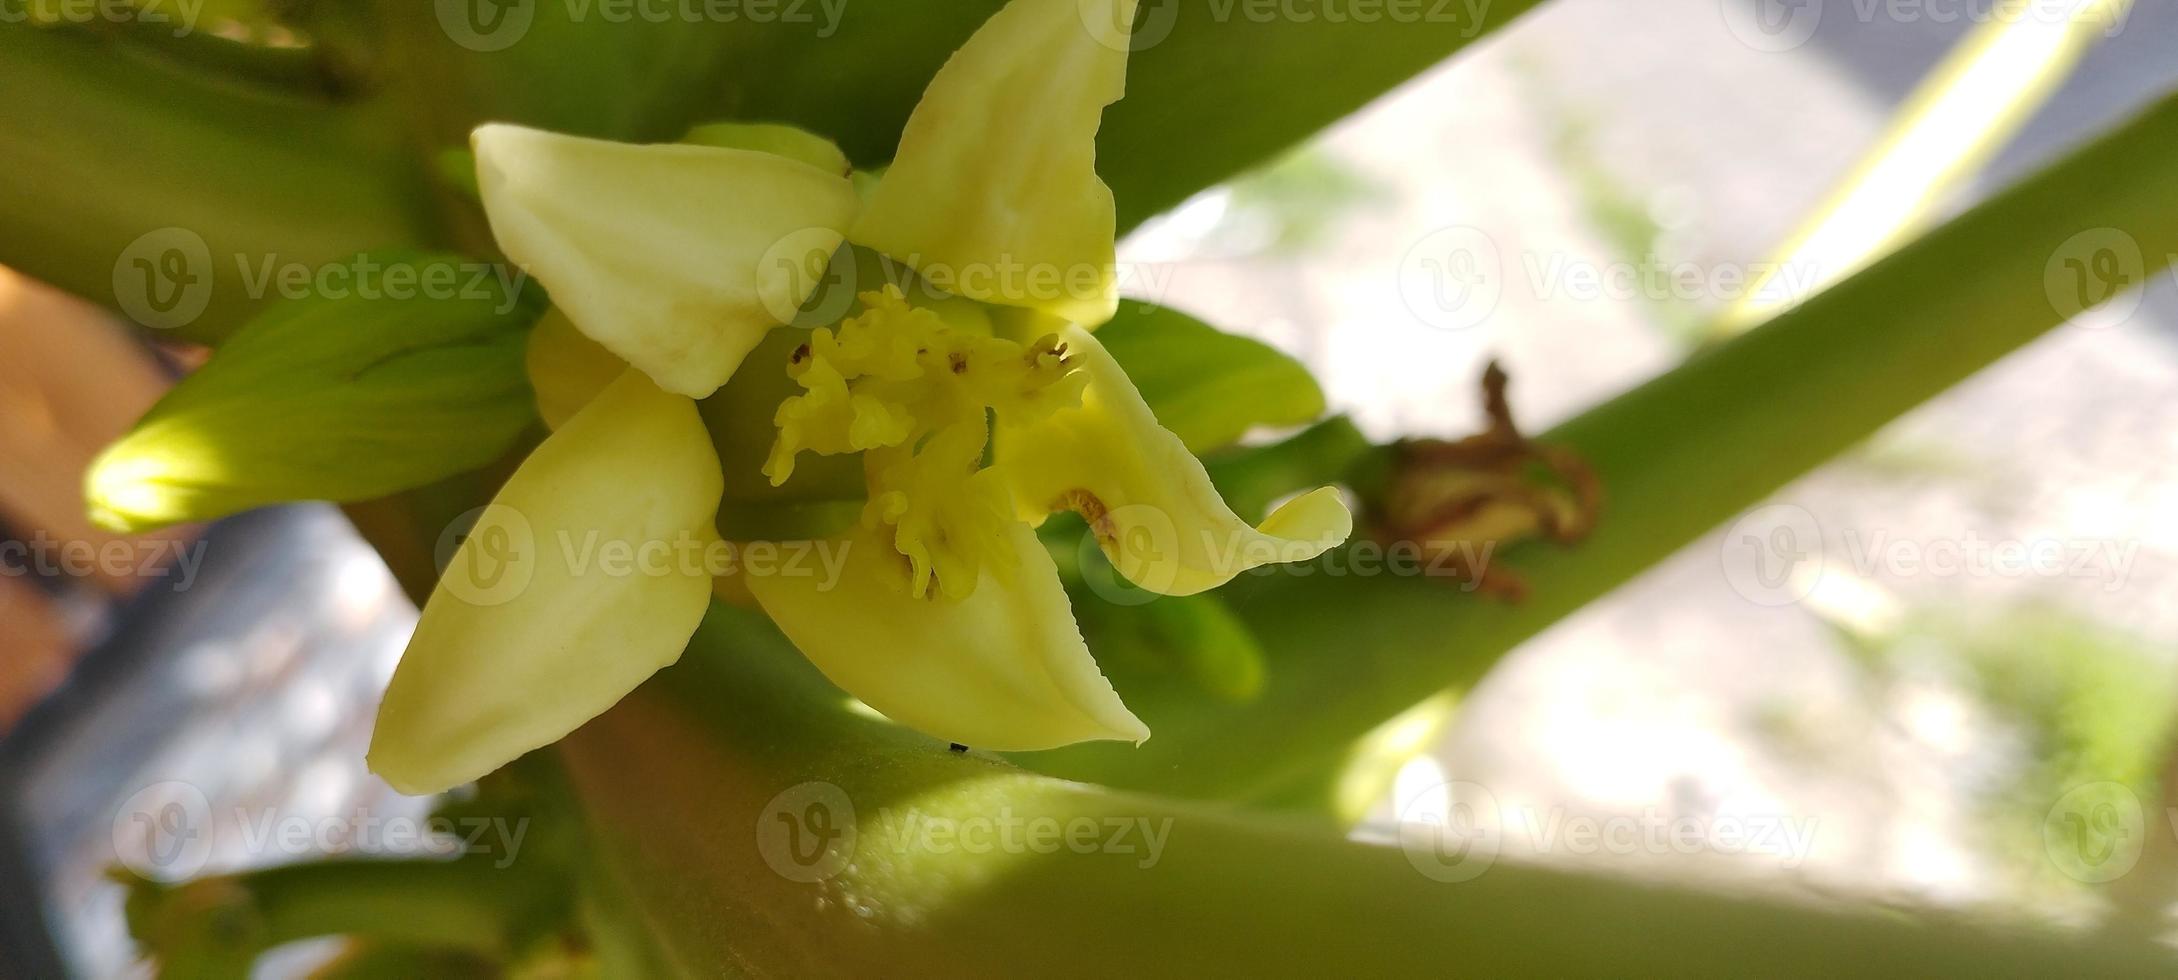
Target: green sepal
{"x": 413, "y": 374}
{"x": 456, "y": 165}
{"x": 778, "y": 139}
{"x": 1194, "y": 637}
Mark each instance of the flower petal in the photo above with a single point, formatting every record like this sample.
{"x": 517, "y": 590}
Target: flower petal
{"x": 993, "y": 193}
{"x": 678, "y": 258}
{"x": 581, "y": 579}
{"x": 565, "y": 368}
{"x": 1147, "y": 499}
{"x": 1004, "y": 668}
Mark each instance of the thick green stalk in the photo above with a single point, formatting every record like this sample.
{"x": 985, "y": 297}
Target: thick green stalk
{"x": 700, "y": 787}
{"x": 1677, "y": 456}
{"x": 104, "y": 147}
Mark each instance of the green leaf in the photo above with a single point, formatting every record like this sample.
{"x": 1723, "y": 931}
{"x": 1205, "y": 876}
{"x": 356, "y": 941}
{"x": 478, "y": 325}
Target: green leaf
{"x": 1207, "y": 386}
{"x": 400, "y": 371}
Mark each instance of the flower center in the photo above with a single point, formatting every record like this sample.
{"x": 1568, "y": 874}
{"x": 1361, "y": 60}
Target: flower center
{"x": 916, "y": 398}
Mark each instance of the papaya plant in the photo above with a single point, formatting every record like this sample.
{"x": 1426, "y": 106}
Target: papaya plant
{"x": 811, "y": 474}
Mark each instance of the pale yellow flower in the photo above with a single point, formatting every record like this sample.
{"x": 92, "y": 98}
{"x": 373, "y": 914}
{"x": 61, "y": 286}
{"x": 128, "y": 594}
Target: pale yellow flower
{"x": 973, "y": 421}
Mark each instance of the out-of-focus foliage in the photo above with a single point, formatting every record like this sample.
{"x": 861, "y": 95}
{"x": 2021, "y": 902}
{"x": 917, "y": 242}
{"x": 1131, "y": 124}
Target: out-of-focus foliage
{"x": 1207, "y": 386}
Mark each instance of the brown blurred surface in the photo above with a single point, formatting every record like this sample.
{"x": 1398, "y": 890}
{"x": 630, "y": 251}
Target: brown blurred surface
{"x": 71, "y": 380}
{"x": 34, "y": 647}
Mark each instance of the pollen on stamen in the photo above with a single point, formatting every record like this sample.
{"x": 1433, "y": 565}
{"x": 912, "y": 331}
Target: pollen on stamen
{"x": 1092, "y": 511}
{"x": 894, "y": 383}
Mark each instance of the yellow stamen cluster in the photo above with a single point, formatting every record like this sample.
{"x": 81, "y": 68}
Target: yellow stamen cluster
{"x": 916, "y": 396}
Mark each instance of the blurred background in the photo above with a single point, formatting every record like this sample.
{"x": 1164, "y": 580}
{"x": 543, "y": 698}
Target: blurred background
{"x": 1971, "y": 622}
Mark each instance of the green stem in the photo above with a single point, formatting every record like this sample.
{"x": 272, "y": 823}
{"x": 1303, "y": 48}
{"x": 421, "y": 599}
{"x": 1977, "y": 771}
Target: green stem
{"x": 1252, "y": 479}
{"x": 468, "y": 903}
{"x": 703, "y": 790}
{"x": 460, "y": 903}
{"x": 104, "y": 147}
{"x": 1676, "y": 456}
